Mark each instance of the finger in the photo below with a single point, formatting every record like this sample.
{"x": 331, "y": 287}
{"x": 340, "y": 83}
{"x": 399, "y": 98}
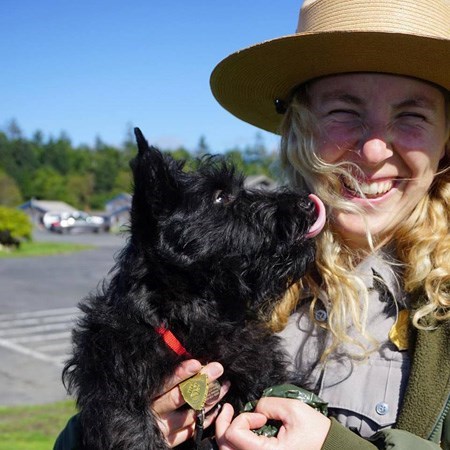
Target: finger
{"x": 244, "y": 421}
{"x": 211, "y": 416}
{"x": 224, "y": 420}
{"x": 171, "y": 398}
{"x": 213, "y": 370}
{"x": 182, "y": 418}
{"x": 238, "y": 434}
{"x": 280, "y": 408}
{"x": 249, "y": 421}
{"x": 183, "y": 371}
{"x": 303, "y": 426}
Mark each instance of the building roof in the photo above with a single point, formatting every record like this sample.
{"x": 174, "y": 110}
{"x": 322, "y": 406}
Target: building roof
{"x": 48, "y": 206}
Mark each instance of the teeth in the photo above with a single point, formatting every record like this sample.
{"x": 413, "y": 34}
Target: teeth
{"x": 376, "y": 188}
{"x": 370, "y": 189}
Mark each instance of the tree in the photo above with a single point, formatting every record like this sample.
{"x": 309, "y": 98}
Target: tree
{"x": 235, "y": 156}
{"x": 123, "y": 182}
{"x": 20, "y": 159}
{"x": 255, "y": 153}
{"x": 48, "y": 184}
{"x": 106, "y": 165}
{"x": 57, "y": 154}
{"x": 38, "y": 138}
{"x": 80, "y": 188}
{"x": 81, "y": 160}
{"x": 202, "y": 147}
{"x": 13, "y": 130}
{"x": 10, "y": 194}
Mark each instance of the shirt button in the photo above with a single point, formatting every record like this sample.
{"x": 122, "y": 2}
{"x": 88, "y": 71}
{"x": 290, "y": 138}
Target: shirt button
{"x": 321, "y": 315}
{"x": 382, "y": 408}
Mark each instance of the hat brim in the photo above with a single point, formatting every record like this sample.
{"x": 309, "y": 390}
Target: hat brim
{"x": 247, "y": 82}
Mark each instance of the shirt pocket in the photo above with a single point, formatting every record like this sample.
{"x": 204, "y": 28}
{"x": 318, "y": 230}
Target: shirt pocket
{"x": 364, "y": 396}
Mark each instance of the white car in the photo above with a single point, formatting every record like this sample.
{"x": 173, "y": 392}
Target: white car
{"x": 77, "y": 222}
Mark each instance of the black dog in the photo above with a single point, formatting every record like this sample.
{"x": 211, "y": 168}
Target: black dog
{"x": 205, "y": 257}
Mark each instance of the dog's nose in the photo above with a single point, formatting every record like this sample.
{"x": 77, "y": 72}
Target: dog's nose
{"x": 310, "y": 207}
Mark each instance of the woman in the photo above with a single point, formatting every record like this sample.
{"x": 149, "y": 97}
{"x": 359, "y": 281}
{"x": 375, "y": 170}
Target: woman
{"x": 360, "y": 96}
{"x": 394, "y": 145}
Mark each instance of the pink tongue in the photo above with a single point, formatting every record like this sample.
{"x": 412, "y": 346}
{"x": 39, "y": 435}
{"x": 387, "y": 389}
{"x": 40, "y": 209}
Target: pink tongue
{"x": 317, "y": 227}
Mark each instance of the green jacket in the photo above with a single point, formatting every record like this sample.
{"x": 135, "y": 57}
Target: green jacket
{"x": 424, "y": 421}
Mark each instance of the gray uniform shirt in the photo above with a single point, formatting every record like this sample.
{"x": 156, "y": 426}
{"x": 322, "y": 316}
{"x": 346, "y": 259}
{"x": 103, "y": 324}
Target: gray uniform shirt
{"x": 362, "y": 395}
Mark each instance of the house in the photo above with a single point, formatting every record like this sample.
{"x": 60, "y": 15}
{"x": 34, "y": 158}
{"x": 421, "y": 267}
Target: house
{"x": 117, "y": 202}
{"x": 37, "y": 209}
{"x": 118, "y": 209}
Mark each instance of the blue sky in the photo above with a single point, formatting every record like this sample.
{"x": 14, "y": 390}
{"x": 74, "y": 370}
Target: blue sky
{"x": 92, "y": 68}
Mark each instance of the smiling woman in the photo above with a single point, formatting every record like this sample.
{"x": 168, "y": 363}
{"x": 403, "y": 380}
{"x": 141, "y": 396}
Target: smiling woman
{"x": 375, "y": 147}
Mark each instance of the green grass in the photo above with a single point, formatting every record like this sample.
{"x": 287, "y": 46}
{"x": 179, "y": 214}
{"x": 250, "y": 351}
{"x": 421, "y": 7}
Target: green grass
{"x": 33, "y": 427}
{"x": 27, "y": 249}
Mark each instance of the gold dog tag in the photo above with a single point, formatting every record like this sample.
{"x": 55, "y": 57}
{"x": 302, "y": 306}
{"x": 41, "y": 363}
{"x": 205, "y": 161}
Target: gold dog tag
{"x": 195, "y": 390}
{"x": 399, "y": 332}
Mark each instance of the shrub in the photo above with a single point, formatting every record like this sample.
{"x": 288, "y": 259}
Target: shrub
{"x": 15, "y": 226}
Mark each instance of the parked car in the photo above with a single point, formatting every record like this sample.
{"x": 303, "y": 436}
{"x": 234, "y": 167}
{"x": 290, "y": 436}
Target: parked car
{"x": 51, "y": 217}
{"x": 78, "y": 222}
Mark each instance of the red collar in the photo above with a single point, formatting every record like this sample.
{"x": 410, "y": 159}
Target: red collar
{"x": 172, "y": 342}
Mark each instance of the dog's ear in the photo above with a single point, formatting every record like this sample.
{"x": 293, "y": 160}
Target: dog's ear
{"x": 142, "y": 143}
{"x": 156, "y": 179}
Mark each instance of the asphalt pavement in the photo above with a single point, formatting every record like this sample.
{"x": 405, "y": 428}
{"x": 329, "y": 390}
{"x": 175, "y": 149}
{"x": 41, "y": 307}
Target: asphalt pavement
{"x": 38, "y": 306}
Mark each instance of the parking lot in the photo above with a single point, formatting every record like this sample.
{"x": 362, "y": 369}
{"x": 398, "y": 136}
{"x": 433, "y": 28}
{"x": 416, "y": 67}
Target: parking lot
{"x": 38, "y": 299}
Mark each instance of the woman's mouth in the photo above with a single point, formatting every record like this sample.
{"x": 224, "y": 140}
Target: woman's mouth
{"x": 370, "y": 190}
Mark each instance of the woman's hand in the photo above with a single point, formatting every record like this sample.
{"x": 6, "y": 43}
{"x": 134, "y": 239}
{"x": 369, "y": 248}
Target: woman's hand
{"x": 178, "y": 425}
{"x": 303, "y": 427}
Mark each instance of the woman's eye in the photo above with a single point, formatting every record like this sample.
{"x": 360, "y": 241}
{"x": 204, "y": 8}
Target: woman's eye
{"x": 222, "y": 198}
{"x": 343, "y": 113}
{"x": 413, "y": 115}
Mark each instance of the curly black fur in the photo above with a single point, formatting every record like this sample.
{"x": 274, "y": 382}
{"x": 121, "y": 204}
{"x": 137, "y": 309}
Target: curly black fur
{"x": 205, "y": 256}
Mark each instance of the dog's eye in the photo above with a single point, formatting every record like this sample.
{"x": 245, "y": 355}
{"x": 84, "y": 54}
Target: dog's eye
{"x": 222, "y": 198}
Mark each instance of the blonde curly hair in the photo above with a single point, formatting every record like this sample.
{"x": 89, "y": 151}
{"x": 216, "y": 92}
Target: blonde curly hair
{"x": 422, "y": 243}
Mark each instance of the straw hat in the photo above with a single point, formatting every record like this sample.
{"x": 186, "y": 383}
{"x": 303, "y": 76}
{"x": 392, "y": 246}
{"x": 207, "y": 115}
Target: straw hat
{"x": 405, "y": 37}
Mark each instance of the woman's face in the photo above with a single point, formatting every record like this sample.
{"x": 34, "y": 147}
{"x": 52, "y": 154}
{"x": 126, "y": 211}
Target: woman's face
{"x": 394, "y": 129}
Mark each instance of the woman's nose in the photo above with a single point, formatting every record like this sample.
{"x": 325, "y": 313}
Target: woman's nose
{"x": 375, "y": 148}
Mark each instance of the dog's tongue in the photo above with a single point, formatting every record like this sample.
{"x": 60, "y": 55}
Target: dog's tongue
{"x": 316, "y": 228}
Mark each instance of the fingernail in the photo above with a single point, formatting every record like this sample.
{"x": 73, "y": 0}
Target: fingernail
{"x": 215, "y": 370}
{"x": 193, "y": 366}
